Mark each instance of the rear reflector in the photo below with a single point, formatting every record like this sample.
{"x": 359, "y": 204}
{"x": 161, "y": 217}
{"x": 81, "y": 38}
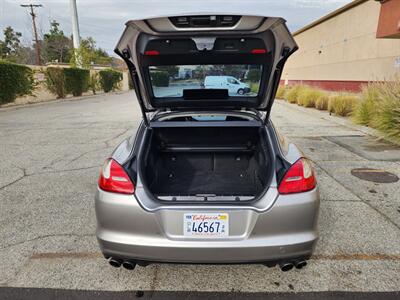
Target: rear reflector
{"x": 151, "y": 53}
{"x": 258, "y": 51}
{"x": 299, "y": 178}
{"x": 113, "y": 178}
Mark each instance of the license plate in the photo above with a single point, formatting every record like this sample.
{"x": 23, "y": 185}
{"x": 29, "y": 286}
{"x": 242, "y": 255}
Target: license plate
{"x": 206, "y": 225}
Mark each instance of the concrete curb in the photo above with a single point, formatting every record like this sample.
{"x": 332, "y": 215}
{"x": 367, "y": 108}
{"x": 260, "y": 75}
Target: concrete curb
{"x": 336, "y": 119}
{"x": 18, "y": 106}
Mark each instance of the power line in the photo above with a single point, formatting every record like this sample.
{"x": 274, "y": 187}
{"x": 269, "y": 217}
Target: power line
{"x": 37, "y": 42}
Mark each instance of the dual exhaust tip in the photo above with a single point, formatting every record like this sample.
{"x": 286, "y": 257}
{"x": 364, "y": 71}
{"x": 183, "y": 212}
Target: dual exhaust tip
{"x": 287, "y": 266}
{"x": 116, "y": 263}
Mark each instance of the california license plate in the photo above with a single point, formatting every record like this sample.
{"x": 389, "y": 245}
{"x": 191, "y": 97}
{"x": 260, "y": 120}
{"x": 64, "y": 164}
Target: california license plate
{"x": 206, "y": 225}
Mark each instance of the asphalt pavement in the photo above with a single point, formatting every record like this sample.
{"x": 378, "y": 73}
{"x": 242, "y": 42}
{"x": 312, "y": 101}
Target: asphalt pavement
{"x": 50, "y": 155}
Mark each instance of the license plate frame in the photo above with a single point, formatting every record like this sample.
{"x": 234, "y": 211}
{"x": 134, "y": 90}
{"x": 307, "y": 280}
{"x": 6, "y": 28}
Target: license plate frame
{"x": 206, "y": 225}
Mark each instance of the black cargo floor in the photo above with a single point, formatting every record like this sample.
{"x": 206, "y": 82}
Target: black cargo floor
{"x": 225, "y": 183}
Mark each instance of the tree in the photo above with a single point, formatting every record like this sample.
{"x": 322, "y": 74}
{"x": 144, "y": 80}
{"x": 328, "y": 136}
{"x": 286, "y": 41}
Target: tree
{"x": 171, "y": 70}
{"x": 56, "y": 46}
{"x": 26, "y": 56}
{"x": 237, "y": 71}
{"x": 2, "y": 49}
{"x": 11, "y": 44}
{"x": 89, "y": 54}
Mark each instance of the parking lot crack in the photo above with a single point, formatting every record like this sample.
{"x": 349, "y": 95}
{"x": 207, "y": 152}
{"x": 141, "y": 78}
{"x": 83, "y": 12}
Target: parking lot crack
{"x": 11, "y": 183}
{"x": 24, "y": 174}
{"x": 84, "y": 153}
{"x": 53, "y": 171}
{"x": 44, "y": 237}
{"x": 107, "y": 142}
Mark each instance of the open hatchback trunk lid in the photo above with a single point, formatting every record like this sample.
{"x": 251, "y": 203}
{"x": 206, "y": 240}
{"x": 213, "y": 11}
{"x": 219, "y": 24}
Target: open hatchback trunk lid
{"x": 206, "y": 61}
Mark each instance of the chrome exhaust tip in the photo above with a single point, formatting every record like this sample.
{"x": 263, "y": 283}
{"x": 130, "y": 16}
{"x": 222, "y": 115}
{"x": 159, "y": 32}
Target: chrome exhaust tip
{"x": 286, "y": 267}
{"x": 128, "y": 265}
{"x": 300, "y": 264}
{"x": 116, "y": 263}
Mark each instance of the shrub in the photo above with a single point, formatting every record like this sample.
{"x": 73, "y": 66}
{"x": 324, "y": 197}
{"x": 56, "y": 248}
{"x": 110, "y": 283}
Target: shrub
{"x": 322, "y": 102}
{"x": 55, "y": 81}
{"x": 293, "y": 93}
{"x": 365, "y": 110}
{"x": 254, "y": 87}
{"x": 15, "y": 80}
{"x": 280, "y": 93}
{"x": 109, "y": 79}
{"x": 254, "y": 75}
{"x": 342, "y": 105}
{"x": 308, "y": 96}
{"x": 386, "y": 116}
{"x": 76, "y": 81}
{"x": 130, "y": 82}
{"x": 94, "y": 84}
{"x": 160, "y": 78}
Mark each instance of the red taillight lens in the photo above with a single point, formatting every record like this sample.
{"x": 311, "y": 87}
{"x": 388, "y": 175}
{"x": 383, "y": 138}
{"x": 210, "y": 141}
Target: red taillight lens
{"x": 113, "y": 178}
{"x": 258, "y": 51}
{"x": 151, "y": 53}
{"x": 299, "y": 178}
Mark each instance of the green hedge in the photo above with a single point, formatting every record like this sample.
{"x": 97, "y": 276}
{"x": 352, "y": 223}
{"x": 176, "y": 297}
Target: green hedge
{"x": 160, "y": 78}
{"x": 109, "y": 79}
{"x": 76, "y": 81}
{"x": 94, "y": 84}
{"x": 254, "y": 75}
{"x": 130, "y": 82}
{"x": 63, "y": 81}
{"x": 15, "y": 80}
{"x": 55, "y": 81}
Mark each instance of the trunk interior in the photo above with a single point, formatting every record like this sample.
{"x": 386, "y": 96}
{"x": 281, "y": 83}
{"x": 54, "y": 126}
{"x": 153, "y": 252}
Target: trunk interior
{"x": 207, "y": 162}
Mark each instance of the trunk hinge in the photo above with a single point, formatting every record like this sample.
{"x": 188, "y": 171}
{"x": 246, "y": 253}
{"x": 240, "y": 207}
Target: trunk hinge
{"x": 125, "y": 55}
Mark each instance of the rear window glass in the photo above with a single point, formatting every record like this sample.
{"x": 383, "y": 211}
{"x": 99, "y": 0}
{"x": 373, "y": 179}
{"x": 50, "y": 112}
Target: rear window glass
{"x": 238, "y": 80}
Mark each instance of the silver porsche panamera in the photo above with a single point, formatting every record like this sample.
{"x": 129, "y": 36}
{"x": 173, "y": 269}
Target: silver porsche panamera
{"x": 207, "y": 178}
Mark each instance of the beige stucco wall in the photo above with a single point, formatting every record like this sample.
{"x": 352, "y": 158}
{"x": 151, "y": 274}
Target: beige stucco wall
{"x": 345, "y": 48}
{"x": 42, "y": 94}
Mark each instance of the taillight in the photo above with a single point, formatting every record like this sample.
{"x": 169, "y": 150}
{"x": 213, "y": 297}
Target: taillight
{"x": 299, "y": 178}
{"x": 151, "y": 53}
{"x": 113, "y": 178}
{"x": 258, "y": 51}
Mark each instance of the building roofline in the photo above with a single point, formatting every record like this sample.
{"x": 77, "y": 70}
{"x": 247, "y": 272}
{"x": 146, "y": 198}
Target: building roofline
{"x": 330, "y": 16}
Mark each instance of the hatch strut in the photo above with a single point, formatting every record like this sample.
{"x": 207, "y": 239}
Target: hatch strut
{"x": 135, "y": 81}
{"x": 286, "y": 52}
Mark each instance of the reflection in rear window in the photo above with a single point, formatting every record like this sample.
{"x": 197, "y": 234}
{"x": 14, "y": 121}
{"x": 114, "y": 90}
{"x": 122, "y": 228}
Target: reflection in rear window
{"x": 238, "y": 80}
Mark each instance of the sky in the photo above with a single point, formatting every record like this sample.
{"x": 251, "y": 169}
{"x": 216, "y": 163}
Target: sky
{"x": 104, "y": 19}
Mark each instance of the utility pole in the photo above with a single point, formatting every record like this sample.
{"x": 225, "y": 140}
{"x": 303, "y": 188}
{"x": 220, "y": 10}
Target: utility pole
{"x": 75, "y": 31}
{"x": 37, "y": 42}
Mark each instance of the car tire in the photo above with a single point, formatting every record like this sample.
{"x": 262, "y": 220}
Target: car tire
{"x": 240, "y": 91}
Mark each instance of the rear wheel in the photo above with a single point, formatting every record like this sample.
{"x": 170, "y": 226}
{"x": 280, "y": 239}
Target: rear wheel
{"x": 240, "y": 91}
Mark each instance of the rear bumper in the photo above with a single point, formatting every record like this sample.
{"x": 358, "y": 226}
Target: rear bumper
{"x": 225, "y": 252}
{"x": 286, "y": 231}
